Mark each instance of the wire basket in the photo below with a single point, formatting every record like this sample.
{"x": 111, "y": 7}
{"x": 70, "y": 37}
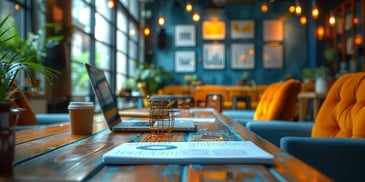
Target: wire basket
{"x": 161, "y": 119}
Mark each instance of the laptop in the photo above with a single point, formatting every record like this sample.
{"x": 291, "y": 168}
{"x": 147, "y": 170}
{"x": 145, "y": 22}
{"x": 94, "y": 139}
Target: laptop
{"x": 110, "y": 110}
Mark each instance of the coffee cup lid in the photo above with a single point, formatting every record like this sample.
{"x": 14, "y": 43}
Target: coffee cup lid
{"x": 80, "y": 105}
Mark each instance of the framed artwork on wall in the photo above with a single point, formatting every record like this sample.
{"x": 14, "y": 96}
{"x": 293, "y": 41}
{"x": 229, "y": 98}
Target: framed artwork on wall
{"x": 185, "y": 36}
{"x": 214, "y": 30}
{"x": 273, "y": 30}
{"x": 272, "y": 56}
{"x": 242, "y": 29}
{"x": 185, "y": 61}
{"x": 214, "y": 56}
{"x": 242, "y": 56}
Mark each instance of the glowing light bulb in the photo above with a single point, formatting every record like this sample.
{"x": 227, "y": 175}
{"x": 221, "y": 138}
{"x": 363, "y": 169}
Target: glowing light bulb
{"x": 196, "y": 17}
{"x": 264, "y": 7}
{"x": 315, "y": 12}
{"x": 161, "y": 21}
{"x": 189, "y": 7}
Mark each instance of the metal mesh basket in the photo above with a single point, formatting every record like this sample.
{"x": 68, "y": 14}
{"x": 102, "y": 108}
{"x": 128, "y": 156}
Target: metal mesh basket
{"x": 161, "y": 119}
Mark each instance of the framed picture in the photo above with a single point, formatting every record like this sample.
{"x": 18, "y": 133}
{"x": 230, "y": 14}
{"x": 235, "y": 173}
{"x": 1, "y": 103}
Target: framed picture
{"x": 214, "y": 30}
{"x": 242, "y": 56}
{"x": 273, "y": 56}
{"x": 242, "y": 29}
{"x": 185, "y": 61}
{"x": 185, "y": 35}
{"x": 273, "y": 30}
{"x": 214, "y": 56}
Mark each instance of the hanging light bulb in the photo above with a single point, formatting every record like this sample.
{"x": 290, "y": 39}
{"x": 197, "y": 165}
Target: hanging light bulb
{"x": 298, "y": 9}
{"x": 291, "y": 9}
{"x": 315, "y": 11}
{"x": 189, "y": 7}
{"x": 264, "y": 8}
{"x": 320, "y": 32}
{"x": 332, "y": 19}
{"x": 161, "y": 21}
{"x": 110, "y": 4}
{"x": 196, "y": 17}
{"x": 303, "y": 20}
{"x": 355, "y": 20}
{"x": 17, "y": 6}
{"x": 146, "y": 31}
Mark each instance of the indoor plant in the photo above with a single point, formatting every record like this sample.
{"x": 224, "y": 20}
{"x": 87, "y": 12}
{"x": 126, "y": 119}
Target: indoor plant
{"x": 18, "y": 56}
{"x": 15, "y": 56}
{"x": 151, "y": 76}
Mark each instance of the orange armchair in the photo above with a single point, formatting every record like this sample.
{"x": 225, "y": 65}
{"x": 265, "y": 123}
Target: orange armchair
{"x": 335, "y": 142}
{"x": 278, "y": 102}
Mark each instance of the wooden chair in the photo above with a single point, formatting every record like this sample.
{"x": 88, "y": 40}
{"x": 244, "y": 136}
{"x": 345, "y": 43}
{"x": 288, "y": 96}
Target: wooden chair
{"x": 214, "y": 100}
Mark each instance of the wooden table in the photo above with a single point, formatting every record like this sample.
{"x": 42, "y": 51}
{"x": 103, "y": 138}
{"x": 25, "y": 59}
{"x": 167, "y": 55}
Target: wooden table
{"x": 304, "y": 97}
{"x": 52, "y": 153}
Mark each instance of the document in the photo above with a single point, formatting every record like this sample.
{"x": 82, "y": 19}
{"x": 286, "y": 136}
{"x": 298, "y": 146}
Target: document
{"x": 220, "y": 152}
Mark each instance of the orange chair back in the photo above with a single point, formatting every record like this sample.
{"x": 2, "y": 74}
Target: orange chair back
{"x": 342, "y": 113}
{"x": 278, "y": 102}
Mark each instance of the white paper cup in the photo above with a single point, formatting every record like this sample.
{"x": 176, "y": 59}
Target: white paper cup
{"x": 81, "y": 117}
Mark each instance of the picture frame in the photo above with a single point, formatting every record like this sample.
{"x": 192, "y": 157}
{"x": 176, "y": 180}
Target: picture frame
{"x": 214, "y": 56}
{"x": 214, "y": 30}
{"x": 242, "y": 56}
{"x": 273, "y": 30}
{"x": 185, "y": 61}
{"x": 242, "y": 29}
{"x": 185, "y": 36}
{"x": 273, "y": 56}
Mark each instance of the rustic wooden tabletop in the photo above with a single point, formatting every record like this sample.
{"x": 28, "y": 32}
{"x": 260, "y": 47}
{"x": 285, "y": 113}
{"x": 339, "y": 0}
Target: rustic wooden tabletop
{"x": 52, "y": 153}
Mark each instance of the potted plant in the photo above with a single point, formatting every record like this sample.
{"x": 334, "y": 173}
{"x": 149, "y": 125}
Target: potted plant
{"x": 18, "y": 56}
{"x": 15, "y": 56}
{"x": 321, "y": 75}
{"x": 150, "y": 76}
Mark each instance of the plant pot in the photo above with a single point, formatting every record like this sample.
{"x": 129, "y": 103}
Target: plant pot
{"x": 8, "y": 121}
{"x": 321, "y": 86}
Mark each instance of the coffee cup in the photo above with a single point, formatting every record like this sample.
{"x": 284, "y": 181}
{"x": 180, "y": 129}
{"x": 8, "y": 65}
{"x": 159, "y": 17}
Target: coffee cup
{"x": 81, "y": 117}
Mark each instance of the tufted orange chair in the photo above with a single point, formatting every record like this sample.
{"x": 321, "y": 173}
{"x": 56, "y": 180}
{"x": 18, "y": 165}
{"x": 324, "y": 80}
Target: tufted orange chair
{"x": 335, "y": 142}
{"x": 343, "y": 112}
{"x": 278, "y": 101}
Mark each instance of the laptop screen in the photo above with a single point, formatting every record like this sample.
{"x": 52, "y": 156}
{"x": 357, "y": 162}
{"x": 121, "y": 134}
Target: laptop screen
{"x": 104, "y": 95}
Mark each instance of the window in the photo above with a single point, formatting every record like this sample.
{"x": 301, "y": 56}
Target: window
{"x": 107, "y": 38}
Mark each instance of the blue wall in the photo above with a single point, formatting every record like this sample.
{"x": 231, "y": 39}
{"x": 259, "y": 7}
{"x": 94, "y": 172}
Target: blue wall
{"x": 297, "y": 51}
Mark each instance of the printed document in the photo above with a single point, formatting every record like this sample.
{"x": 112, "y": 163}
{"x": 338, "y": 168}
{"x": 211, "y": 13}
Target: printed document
{"x": 220, "y": 152}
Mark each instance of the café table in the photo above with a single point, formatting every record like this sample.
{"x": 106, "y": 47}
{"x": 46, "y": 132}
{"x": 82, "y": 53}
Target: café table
{"x": 316, "y": 98}
{"x": 52, "y": 153}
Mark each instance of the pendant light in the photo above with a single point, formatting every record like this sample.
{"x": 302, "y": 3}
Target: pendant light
{"x": 315, "y": 10}
{"x": 161, "y": 20}
{"x": 332, "y": 19}
{"x": 264, "y": 7}
{"x": 188, "y": 7}
{"x": 196, "y": 17}
{"x": 298, "y": 8}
